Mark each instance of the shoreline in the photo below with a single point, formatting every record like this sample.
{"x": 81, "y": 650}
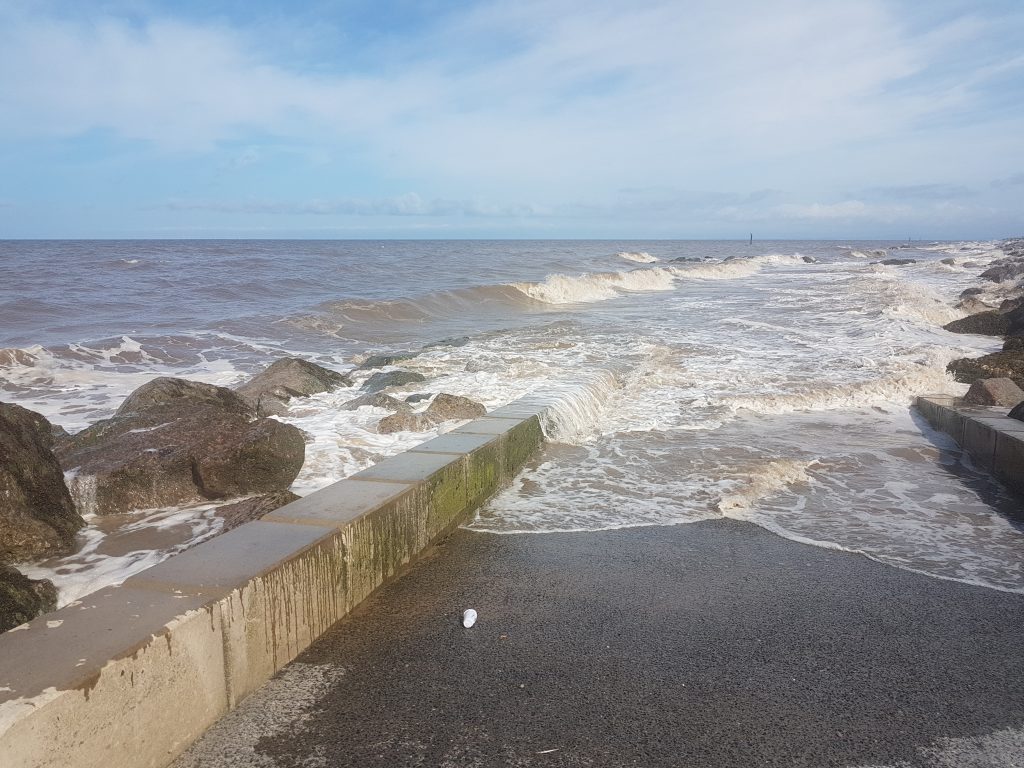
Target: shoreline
{"x": 76, "y": 561}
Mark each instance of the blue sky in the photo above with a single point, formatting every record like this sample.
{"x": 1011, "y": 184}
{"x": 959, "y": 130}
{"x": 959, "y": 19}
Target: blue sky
{"x": 525, "y": 118}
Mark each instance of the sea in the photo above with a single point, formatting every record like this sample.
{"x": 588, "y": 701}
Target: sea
{"x": 766, "y": 381}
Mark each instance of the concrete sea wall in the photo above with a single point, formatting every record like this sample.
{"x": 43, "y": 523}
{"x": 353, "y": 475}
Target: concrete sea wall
{"x": 994, "y": 441}
{"x": 132, "y": 675}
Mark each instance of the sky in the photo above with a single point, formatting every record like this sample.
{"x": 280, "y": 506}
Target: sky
{"x": 836, "y": 119}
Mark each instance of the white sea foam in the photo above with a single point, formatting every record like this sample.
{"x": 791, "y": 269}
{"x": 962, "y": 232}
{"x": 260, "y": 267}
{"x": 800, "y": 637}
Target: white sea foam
{"x": 641, "y": 257}
{"x": 580, "y": 289}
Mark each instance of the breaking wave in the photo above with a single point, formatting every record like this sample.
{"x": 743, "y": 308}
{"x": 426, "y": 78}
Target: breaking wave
{"x": 641, "y": 257}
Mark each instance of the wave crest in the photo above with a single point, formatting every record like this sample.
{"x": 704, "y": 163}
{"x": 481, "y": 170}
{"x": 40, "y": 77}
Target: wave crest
{"x": 641, "y": 257}
{"x": 598, "y": 286}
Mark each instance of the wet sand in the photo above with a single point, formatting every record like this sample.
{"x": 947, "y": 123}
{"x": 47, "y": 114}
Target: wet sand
{"x": 709, "y": 644}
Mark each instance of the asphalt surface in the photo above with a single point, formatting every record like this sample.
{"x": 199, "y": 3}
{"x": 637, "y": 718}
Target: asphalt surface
{"x": 710, "y": 644}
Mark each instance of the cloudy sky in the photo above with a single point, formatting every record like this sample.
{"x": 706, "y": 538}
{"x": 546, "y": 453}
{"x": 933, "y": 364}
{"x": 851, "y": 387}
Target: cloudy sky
{"x": 512, "y": 118}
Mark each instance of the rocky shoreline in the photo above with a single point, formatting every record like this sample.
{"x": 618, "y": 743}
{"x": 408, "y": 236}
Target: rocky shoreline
{"x": 172, "y": 442}
{"x": 995, "y": 309}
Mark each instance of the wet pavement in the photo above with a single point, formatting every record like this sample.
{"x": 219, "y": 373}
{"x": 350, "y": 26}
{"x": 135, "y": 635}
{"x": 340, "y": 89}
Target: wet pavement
{"x": 709, "y": 644}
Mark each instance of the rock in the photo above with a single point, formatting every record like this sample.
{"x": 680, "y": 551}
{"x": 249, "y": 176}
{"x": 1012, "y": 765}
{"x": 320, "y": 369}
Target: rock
{"x": 247, "y": 510}
{"x": 385, "y": 379}
{"x": 447, "y": 407}
{"x": 809, "y": 259}
{"x": 419, "y": 396}
{"x": 970, "y": 265}
{"x": 1008, "y": 305}
{"x": 971, "y": 292}
{"x": 973, "y": 306}
{"x": 1015, "y": 318}
{"x": 377, "y": 400}
{"x": 896, "y": 262}
{"x": 951, "y": 262}
{"x": 1011, "y": 343}
{"x": 22, "y": 598}
{"x": 1017, "y": 412}
{"x": 994, "y": 392}
{"x": 37, "y": 516}
{"x": 384, "y": 360}
{"x": 990, "y": 323}
{"x": 269, "y": 392}
{"x": 167, "y": 452}
{"x": 181, "y": 393}
{"x": 405, "y": 421}
{"x": 1004, "y": 272}
{"x": 998, "y": 365}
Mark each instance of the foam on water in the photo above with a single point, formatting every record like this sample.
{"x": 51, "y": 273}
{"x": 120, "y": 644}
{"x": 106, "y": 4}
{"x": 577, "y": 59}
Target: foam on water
{"x": 576, "y": 289}
{"x": 112, "y": 549}
{"x": 641, "y": 257}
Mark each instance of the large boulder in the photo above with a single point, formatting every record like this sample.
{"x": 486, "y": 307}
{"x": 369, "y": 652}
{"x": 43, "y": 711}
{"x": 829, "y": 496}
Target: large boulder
{"x": 990, "y": 323}
{"x": 37, "y": 516}
{"x": 994, "y": 392}
{"x": 1015, "y": 320}
{"x": 896, "y": 262}
{"x": 405, "y": 421}
{"x": 998, "y": 365}
{"x": 160, "y": 451}
{"x": 181, "y": 393}
{"x": 381, "y": 381}
{"x": 22, "y": 598}
{"x": 447, "y": 407}
{"x": 269, "y": 392}
{"x": 972, "y": 306}
{"x": 1004, "y": 271}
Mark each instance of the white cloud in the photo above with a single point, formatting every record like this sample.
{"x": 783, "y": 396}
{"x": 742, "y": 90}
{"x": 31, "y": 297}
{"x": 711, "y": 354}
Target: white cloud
{"x": 548, "y": 101}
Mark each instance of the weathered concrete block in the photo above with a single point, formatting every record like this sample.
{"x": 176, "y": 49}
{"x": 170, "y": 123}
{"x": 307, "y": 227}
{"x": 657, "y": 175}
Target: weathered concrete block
{"x": 378, "y": 545}
{"x": 1008, "y": 462}
{"x": 409, "y": 467}
{"x": 951, "y": 421}
{"x": 979, "y": 440}
{"x": 455, "y": 443}
{"x": 340, "y": 503}
{"x": 521, "y": 409}
{"x": 520, "y": 443}
{"x": 278, "y": 588}
{"x": 123, "y": 678}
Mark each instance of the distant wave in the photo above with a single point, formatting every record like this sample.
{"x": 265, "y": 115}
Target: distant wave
{"x": 641, "y": 257}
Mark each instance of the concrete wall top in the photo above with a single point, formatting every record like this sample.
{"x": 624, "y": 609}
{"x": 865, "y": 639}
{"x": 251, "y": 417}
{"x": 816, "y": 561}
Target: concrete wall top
{"x": 131, "y": 675}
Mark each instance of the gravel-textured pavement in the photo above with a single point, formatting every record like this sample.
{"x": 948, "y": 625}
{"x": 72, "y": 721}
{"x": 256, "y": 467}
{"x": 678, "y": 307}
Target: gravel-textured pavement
{"x": 710, "y": 644}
